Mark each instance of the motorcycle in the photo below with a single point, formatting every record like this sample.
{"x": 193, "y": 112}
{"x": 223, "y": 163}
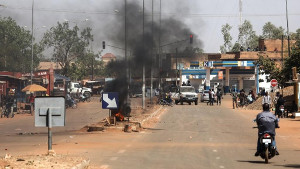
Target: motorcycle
{"x": 267, "y": 150}
{"x": 71, "y": 103}
{"x": 281, "y": 112}
{"x": 85, "y": 97}
{"x": 7, "y": 110}
{"x": 166, "y": 102}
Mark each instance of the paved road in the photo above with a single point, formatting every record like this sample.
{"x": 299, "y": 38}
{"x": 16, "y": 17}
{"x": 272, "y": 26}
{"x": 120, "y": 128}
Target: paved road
{"x": 186, "y": 136}
{"x": 192, "y": 137}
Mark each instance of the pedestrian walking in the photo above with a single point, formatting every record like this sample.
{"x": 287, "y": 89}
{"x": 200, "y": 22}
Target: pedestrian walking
{"x": 212, "y": 97}
{"x": 234, "y": 99}
{"x": 209, "y": 97}
{"x": 219, "y": 97}
{"x": 31, "y": 101}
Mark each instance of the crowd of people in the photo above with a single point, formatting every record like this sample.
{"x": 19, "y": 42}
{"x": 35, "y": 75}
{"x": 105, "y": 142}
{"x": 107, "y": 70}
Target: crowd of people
{"x": 241, "y": 99}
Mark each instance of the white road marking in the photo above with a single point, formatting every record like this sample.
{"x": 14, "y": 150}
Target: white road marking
{"x": 104, "y": 166}
{"x": 113, "y": 158}
{"x": 215, "y": 151}
{"x": 18, "y": 129}
{"x": 121, "y": 151}
{"x": 222, "y": 166}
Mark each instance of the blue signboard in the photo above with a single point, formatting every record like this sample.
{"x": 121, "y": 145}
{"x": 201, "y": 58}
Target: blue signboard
{"x": 110, "y": 100}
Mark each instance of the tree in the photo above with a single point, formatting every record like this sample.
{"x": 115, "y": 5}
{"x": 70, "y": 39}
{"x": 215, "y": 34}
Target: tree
{"x": 270, "y": 31}
{"x": 15, "y": 47}
{"x": 268, "y": 66}
{"x": 293, "y": 60}
{"x": 247, "y": 36}
{"x": 68, "y": 44}
{"x": 227, "y": 46}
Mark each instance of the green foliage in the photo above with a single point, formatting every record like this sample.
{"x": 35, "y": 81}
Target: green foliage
{"x": 270, "y": 31}
{"x": 69, "y": 46}
{"x": 15, "y": 47}
{"x": 227, "y": 46}
{"x": 236, "y": 47}
{"x": 268, "y": 66}
{"x": 247, "y": 36}
{"x": 290, "y": 62}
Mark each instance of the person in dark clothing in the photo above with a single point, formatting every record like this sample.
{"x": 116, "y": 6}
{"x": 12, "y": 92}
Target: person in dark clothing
{"x": 266, "y": 122}
{"x": 219, "y": 97}
{"x": 188, "y": 83}
{"x": 234, "y": 99}
{"x": 212, "y": 93}
{"x": 209, "y": 97}
{"x": 280, "y": 102}
{"x": 242, "y": 97}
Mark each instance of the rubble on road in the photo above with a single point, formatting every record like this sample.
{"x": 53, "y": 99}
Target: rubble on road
{"x": 43, "y": 162}
{"x": 288, "y": 95}
{"x": 138, "y": 117}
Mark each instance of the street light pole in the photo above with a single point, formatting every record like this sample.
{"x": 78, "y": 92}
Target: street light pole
{"x": 144, "y": 85}
{"x": 287, "y": 25}
{"x": 152, "y": 59}
{"x": 31, "y": 73}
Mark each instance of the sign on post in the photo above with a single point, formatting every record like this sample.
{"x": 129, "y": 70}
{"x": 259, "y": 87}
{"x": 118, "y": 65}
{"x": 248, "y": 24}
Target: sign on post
{"x": 274, "y": 82}
{"x": 110, "y": 100}
{"x": 49, "y": 112}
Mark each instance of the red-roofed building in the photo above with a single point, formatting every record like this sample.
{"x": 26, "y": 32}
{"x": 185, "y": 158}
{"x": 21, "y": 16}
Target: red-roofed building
{"x": 108, "y": 57}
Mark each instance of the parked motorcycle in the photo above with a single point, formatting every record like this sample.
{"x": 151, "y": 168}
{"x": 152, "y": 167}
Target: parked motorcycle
{"x": 85, "y": 97}
{"x": 7, "y": 110}
{"x": 166, "y": 102}
{"x": 71, "y": 103}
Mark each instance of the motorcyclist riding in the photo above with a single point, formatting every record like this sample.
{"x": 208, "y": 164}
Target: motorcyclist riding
{"x": 266, "y": 122}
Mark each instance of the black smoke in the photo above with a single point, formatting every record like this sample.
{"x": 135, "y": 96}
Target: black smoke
{"x": 143, "y": 42}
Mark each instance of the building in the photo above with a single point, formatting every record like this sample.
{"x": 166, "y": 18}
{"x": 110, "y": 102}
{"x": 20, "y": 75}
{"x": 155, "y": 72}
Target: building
{"x": 233, "y": 70}
{"x": 108, "y": 57}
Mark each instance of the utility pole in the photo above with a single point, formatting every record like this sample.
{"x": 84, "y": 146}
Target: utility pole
{"x": 31, "y": 73}
{"x": 176, "y": 67}
{"x": 152, "y": 59}
{"x": 241, "y": 11}
{"x": 143, "y": 56}
{"x": 159, "y": 49}
{"x": 287, "y": 25}
{"x": 126, "y": 57}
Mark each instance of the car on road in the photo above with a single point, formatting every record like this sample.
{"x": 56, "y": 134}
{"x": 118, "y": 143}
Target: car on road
{"x": 204, "y": 95}
{"x": 186, "y": 94}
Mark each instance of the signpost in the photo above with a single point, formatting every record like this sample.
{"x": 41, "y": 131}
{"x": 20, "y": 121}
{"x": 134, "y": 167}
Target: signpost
{"x": 274, "y": 82}
{"x": 49, "y": 112}
{"x": 110, "y": 100}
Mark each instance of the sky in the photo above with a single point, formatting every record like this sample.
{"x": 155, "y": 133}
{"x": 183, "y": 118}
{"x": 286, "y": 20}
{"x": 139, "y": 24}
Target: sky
{"x": 204, "y": 17}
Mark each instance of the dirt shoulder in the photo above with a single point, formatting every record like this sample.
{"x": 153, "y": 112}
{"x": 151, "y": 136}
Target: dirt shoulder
{"x": 36, "y": 160}
{"x": 287, "y": 134}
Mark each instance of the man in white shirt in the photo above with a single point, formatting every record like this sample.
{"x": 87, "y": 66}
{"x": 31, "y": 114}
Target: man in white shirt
{"x": 267, "y": 99}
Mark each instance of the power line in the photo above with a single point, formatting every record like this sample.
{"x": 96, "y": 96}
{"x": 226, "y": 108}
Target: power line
{"x": 157, "y": 14}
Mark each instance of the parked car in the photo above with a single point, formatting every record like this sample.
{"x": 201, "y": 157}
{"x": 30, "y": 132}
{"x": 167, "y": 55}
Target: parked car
{"x": 204, "y": 96}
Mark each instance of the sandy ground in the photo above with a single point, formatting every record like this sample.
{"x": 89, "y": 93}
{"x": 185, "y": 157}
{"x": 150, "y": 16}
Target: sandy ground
{"x": 289, "y": 127}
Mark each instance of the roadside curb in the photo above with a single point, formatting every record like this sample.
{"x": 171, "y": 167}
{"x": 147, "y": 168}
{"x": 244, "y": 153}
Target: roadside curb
{"x": 151, "y": 116}
{"x": 83, "y": 165}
